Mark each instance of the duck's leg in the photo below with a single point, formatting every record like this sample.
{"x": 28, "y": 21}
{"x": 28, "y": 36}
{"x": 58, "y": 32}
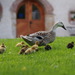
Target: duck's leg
{"x": 47, "y": 47}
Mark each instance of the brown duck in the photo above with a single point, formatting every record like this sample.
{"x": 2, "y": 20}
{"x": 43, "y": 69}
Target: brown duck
{"x": 43, "y": 37}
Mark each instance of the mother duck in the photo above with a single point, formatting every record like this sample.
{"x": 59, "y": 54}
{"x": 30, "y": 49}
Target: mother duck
{"x": 44, "y": 37}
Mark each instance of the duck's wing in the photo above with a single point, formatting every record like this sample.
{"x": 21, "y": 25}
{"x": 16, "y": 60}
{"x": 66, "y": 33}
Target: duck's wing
{"x": 43, "y": 37}
{"x": 38, "y": 35}
{"x": 41, "y": 33}
{"x": 46, "y": 39}
{"x": 49, "y": 38}
{"x": 32, "y": 38}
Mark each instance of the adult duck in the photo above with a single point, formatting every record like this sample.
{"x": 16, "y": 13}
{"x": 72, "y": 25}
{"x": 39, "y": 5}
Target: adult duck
{"x": 43, "y": 37}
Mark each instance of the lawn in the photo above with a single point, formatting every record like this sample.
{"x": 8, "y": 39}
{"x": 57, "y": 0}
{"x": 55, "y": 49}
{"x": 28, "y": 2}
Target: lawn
{"x": 57, "y": 61}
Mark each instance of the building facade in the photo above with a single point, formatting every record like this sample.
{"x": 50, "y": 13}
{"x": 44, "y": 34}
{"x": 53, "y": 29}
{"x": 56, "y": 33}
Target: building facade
{"x": 19, "y": 17}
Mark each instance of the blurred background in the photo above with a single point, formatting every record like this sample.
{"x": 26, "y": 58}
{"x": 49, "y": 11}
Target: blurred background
{"x": 22, "y": 17}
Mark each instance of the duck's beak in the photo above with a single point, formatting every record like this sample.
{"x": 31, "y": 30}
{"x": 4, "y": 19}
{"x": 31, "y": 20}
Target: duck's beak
{"x": 64, "y": 27}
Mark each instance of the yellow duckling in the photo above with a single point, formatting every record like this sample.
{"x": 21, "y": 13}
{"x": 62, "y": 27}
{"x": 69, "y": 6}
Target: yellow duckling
{"x": 34, "y": 48}
{"x": 19, "y": 44}
{"x": 30, "y": 50}
{"x": 36, "y": 45}
{"x": 23, "y": 49}
{"x": 2, "y": 48}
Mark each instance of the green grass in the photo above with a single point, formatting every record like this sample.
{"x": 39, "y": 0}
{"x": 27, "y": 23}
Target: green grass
{"x": 58, "y": 61}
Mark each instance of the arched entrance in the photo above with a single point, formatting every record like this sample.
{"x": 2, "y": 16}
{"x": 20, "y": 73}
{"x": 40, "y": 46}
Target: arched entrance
{"x": 30, "y": 17}
{"x": 44, "y": 4}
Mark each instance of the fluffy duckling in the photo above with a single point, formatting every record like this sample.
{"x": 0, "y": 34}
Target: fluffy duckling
{"x": 19, "y": 44}
{"x": 36, "y": 45}
{"x": 30, "y": 50}
{"x": 47, "y": 47}
{"x": 2, "y": 48}
{"x": 70, "y": 45}
{"x": 34, "y": 48}
{"x": 23, "y": 49}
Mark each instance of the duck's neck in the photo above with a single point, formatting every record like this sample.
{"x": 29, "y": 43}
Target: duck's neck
{"x": 54, "y": 28}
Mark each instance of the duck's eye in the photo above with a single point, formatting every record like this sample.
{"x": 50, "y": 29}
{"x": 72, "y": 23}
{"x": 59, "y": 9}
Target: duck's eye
{"x": 39, "y": 37}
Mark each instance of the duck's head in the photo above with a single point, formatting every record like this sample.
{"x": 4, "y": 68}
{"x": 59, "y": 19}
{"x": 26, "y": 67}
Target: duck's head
{"x": 2, "y": 45}
{"x": 72, "y": 43}
{"x": 37, "y": 42}
{"x": 60, "y": 24}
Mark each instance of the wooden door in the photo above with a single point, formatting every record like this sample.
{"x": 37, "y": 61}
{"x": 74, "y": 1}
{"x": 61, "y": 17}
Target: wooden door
{"x": 30, "y": 17}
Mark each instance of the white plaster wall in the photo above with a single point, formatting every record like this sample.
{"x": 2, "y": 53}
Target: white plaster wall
{"x": 61, "y": 10}
{"x": 5, "y": 23}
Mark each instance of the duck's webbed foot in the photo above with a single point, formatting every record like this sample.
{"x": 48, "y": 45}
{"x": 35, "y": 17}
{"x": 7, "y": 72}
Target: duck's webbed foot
{"x": 47, "y": 47}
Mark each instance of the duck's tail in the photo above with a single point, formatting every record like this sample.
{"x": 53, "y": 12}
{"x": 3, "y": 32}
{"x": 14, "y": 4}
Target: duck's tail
{"x": 27, "y": 40}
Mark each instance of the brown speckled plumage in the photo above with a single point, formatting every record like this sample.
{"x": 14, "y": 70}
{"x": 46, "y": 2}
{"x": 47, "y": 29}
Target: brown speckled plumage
{"x": 44, "y": 37}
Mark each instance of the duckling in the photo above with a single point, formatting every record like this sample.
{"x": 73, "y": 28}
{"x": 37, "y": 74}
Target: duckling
{"x": 47, "y": 47}
{"x": 23, "y": 49}
{"x": 2, "y": 48}
{"x": 19, "y": 44}
{"x": 70, "y": 45}
{"x": 30, "y": 50}
{"x": 36, "y": 45}
{"x": 34, "y": 48}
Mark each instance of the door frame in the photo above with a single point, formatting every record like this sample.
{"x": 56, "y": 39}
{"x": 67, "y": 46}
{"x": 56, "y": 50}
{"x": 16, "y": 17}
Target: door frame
{"x": 49, "y": 15}
{"x": 29, "y": 4}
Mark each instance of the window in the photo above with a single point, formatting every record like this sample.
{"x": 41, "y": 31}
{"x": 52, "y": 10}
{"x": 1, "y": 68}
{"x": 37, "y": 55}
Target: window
{"x": 72, "y": 17}
{"x": 35, "y": 13}
{"x": 21, "y": 12}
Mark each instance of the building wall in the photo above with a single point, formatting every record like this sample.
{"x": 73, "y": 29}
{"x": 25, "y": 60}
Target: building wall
{"x": 61, "y": 10}
{"x": 5, "y": 23}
